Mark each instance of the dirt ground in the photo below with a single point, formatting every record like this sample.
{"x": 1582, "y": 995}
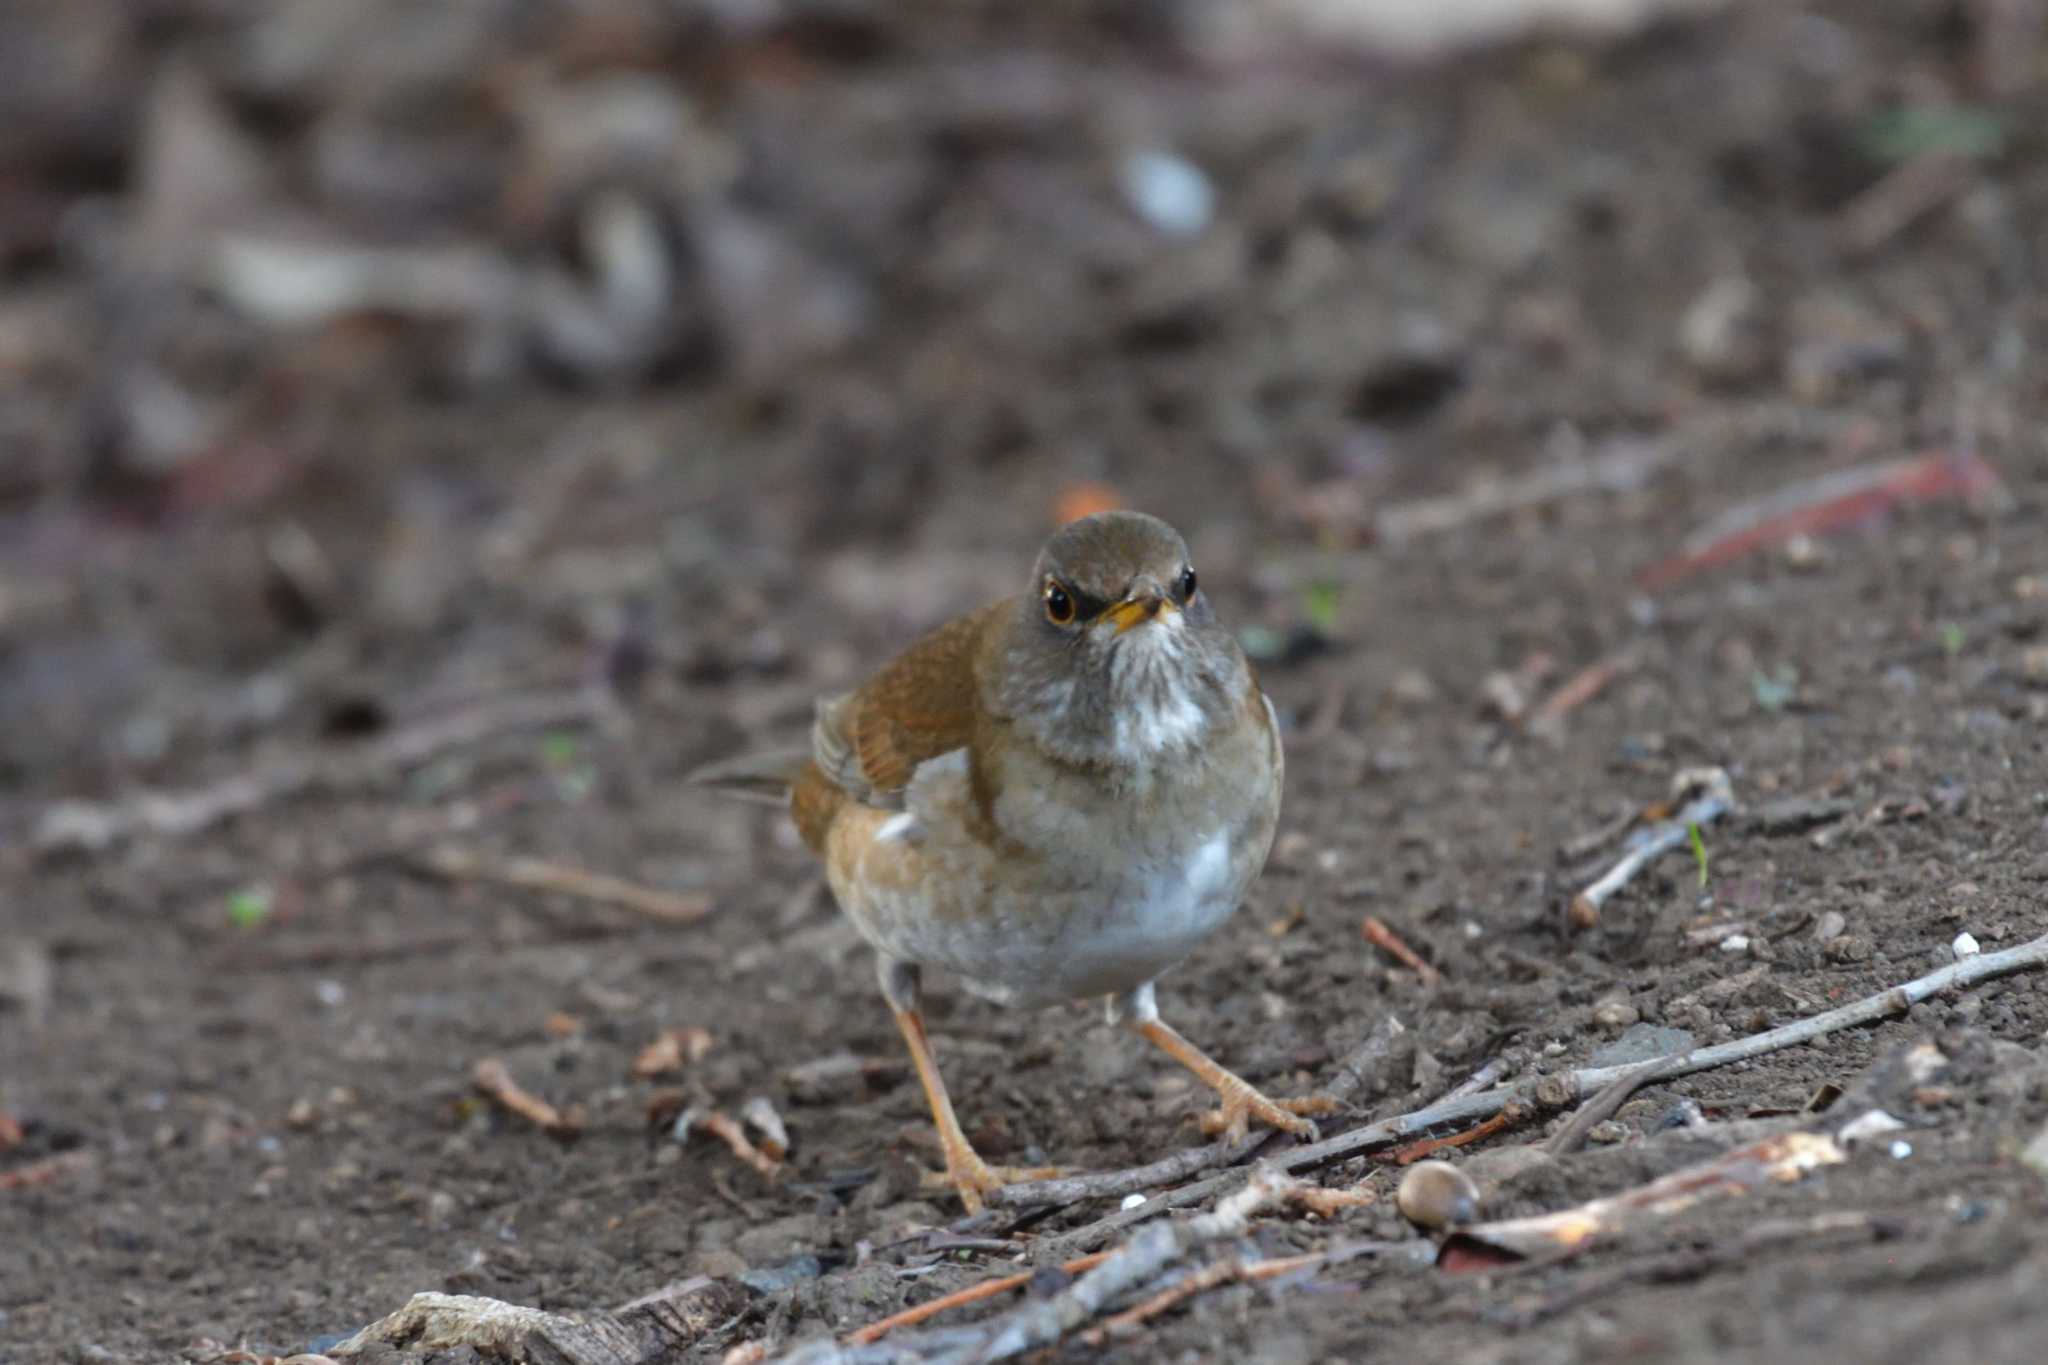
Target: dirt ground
{"x": 1673, "y": 273}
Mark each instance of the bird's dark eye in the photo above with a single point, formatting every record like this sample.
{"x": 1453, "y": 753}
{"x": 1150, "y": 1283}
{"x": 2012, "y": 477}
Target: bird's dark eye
{"x": 1188, "y": 581}
{"x": 1059, "y": 604}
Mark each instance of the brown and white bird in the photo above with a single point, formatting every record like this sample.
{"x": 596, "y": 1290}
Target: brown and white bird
{"x": 1057, "y": 796}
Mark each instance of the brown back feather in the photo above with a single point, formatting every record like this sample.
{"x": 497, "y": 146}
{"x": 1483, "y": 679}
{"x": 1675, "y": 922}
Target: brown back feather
{"x": 919, "y": 706}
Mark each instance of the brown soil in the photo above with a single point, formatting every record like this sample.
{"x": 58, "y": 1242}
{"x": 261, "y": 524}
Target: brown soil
{"x": 1421, "y": 281}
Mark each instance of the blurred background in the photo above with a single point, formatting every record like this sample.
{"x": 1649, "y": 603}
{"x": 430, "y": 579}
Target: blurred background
{"x": 354, "y": 353}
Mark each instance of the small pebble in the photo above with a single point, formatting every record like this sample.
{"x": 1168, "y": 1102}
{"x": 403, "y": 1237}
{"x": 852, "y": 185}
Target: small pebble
{"x": 1965, "y": 946}
{"x": 1901, "y": 1149}
{"x": 1735, "y": 943}
{"x": 1132, "y": 1201}
{"x": 1169, "y": 192}
{"x": 1872, "y": 1123}
{"x": 1830, "y": 926}
{"x": 1615, "y": 1014}
{"x": 1435, "y": 1195}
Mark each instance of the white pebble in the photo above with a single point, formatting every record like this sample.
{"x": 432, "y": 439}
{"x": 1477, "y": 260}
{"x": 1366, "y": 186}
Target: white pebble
{"x": 330, "y": 993}
{"x": 1169, "y": 192}
{"x": 1901, "y": 1149}
{"x": 1964, "y": 946}
{"x": 1870, "y": 1124}
{"x": 1735, "y": 943}
{"x": 1132, "y": 1201}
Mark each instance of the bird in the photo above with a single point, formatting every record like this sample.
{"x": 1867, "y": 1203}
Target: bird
{"x": 1054, "y": 797}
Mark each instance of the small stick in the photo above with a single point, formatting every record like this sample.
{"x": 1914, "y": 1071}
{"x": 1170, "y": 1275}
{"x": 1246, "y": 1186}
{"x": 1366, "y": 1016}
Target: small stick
{"x": 1629, "y": 466}
{"x": 960, "y": 1298}
{"x": 533, "y": 874}
{"x": 1479, "y": 1080}
{"x": 1907, "y": 193}
{"x": 1042, "y": 1323}
{"x": 1652, "y": 842}
{"x": 672, "y": 1051}
{"x": 1593, "y": 840}
{"x": 46, "y": 1171}
{"x": 1831, "y": 502}
{"x": 1416, "y": 1151}
{"x": 92, "y": 827}
{"x": 494, "y": 1079}
{"x": 1602, "y": 1107}
{"x": 1588, "y": 683}
{"x": 1327, "y": 1203}
{"x": 722, "y": 1126}
{"x": 1381, "y": 936}
{"x": 1778, "y": 1159}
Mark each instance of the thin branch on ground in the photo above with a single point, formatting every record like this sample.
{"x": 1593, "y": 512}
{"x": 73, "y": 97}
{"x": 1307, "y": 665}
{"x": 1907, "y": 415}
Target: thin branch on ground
{"x": 1631, "y": 465}
{"x": 1589, "y": 682}
{"x": 1231, "y": 1271}
{"x": 46, "y": 1171}
{"x": 1777, "y": 1159}
{"x": 1424, "y": 1147}
{"x": 1831, "y": 502}
{"x": 728, "y": 1131}
{"x": 1479, "y": 1080}
{"x": 960, "y": 1298}
{"x": 1716, "y": 799}
{"x": 1601, "y": 1108}
{"x": 92, "y": 827}
{"x": 1381, "y": 936}
{"x": 534, "y": 874}
{"x": 1034, "y": 1325}
{"x": 494, "y": 1080}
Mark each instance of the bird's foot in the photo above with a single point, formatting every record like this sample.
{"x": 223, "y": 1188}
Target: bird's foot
{"x": 1242, "y": 1105}
{"x": 973, "y": 1179}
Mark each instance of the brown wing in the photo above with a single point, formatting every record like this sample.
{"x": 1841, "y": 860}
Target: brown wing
{"x": 869, "y": 742}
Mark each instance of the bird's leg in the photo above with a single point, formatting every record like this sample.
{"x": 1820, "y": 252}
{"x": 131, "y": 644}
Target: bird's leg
{"x": 966, "y": 1172}
{"x": 1241, "y": 1103}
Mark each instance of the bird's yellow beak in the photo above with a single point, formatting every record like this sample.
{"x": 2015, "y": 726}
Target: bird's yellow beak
{"x": 1134, "y": 610}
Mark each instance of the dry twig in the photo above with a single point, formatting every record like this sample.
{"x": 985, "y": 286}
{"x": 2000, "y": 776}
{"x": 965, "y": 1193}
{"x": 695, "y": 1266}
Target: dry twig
{"x": 960, "y": 1298}
{"x": 1588, "y": 683}
{"x": 727, "y": 1130}
{"x": 1381, "y": 936}
{"x": 1829, "y": 503}
{"x": 1602, "y": 1107}
{"x": 1041, "y": 1324}
{"x": 1716, "y": 799}
{"x": 91, "y": 827}
{"x": 46, "y": 1171}
{"x": 1425, "y": 1147}
{"x": 672, "y": 1051}
{"x": 1776, "y": 1159}
{"x": 494, "y": 1079}
{"x": 533, "y": 874}
{"x": 1201, "y": 1281}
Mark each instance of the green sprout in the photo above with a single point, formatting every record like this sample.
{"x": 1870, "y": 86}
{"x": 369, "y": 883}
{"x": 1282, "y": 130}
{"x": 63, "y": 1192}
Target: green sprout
{"x": 1699, "y": 850}
{"x": 249, "y": 907}
{"x": 1319, "y": 604}
{"x": 1920, "y": 130}
{"x": 1951, "y": 639}
{"x": 558, "y": 750}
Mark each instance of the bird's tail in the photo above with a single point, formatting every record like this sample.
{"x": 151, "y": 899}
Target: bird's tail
{"x": 766, "y": 778}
